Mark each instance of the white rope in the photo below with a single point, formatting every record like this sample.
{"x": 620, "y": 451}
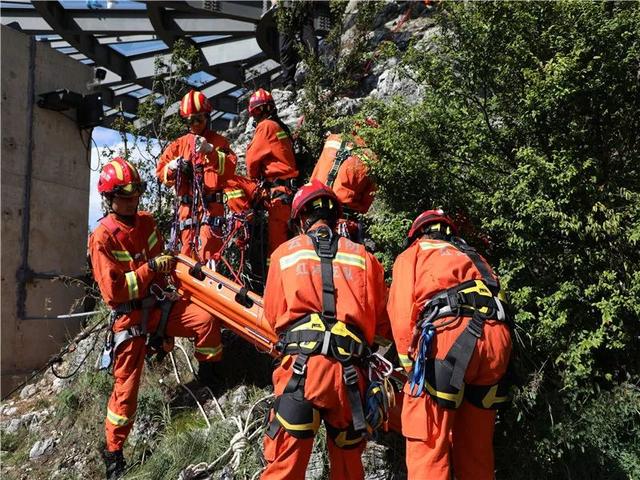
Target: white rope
{"x": 175, "y": 371}
{"x": 238, "y": 444}
{"x": 215, "y": 400}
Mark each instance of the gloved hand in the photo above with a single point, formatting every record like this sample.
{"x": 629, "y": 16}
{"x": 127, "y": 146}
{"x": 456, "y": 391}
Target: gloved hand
{"x": 162, "y": 263}
{"x": 202, "y": 146}
{"x": 175, "y": 163}
{"x": 185, "y": 167}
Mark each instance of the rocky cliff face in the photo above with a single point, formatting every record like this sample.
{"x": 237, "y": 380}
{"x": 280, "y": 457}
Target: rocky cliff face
{"x": 52, "y": 427}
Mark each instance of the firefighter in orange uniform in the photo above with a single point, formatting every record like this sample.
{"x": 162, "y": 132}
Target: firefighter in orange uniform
{"x": 130, "y": 269}
{"x": 199, "y": 165}
{"x": 325, "y": 297}
{"x": 270, "y": 160}
{"x": 447, "y": 313}
{"x": 342, "y": 166}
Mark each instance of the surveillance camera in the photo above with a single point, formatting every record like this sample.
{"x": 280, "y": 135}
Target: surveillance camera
{"x": 100, "y": 74}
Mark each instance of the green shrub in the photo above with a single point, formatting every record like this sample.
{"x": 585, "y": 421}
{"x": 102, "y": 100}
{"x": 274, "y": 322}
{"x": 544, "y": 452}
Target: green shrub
{"x": 528, "y": 133}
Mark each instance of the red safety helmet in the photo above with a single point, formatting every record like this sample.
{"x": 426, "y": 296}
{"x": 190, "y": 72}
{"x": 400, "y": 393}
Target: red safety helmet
{"x": 314, "y": 190}
{"x": 430, "y": 217}
{"x": 369, "y": 122}
{"x": 258, "y": 99}
{"x": 194, "y": 103}
{"x": 119, "y": 177}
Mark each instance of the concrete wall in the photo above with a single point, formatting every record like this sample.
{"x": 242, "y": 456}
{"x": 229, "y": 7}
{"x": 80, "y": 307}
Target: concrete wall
{"x": 57, "y": 210}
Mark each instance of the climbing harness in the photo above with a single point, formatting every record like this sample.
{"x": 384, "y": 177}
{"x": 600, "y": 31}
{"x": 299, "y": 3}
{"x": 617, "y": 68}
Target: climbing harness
{"x": 321, "y": 334}
{"x": 158, "y": 343}
{"x": 443, "y": 380}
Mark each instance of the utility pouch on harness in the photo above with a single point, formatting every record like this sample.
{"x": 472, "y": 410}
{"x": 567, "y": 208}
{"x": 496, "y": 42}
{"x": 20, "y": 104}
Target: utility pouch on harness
{"x": 297, "y": 417}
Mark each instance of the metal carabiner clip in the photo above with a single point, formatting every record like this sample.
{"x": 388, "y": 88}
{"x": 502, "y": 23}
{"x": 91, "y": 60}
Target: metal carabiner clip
{"x": 154, "y": 289}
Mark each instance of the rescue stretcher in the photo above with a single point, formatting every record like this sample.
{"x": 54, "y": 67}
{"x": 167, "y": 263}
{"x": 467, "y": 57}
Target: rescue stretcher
{"x": 242, "y": 312}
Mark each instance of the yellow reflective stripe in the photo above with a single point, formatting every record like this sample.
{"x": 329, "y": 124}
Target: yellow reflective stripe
{"x": 342, "y": 441}
{"x": 451, "y": 397}
{"x": 234, "y": 194}
{"x": 405, "y": 360}
{"x": 117, "y": 420}
{"x": 334, "y": 144}
{"x": 281, "y": 134}
{"x": 132, "y": 284}
{"x": 185, "y": 103}
{"x": 433, "y": 246}
{"x": 491, "y": 397}
{"x": 290, "y": 260}
{"x": 314, "y": 425}
{"x": 153, "y": 239}
{"x": 305, "y": 254}
{"x": 210, "y": 351}
{"x": 122, "y": 255}
{"x": 221, "y": 157}
{"x": 350, "y": 259}
{"x": 118, "y": 168}
{"x": 196, "y": 102}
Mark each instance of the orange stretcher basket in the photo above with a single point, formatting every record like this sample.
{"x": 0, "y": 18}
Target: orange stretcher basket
{"x": 241, "y": 311}
{"x": 239, "y": 308}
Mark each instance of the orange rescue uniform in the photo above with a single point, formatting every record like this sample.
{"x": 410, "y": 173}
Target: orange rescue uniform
{"x": 119, "y": 255}
{"x": 352, "y": 184}
{"x": 270, "y": 157}
{"x": 293, "y": 290}
{"x": 219, "y": 167}
{"x": 437, "y": 437}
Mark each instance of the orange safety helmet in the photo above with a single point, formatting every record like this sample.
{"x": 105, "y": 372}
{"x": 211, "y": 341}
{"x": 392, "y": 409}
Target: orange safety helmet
{"x": 194, "y": 103}
{"x": 431, "y": 217}
{"x": 314, "y": 190}
{"x": 258, "y": 99}
{"x": 119, "y": 177}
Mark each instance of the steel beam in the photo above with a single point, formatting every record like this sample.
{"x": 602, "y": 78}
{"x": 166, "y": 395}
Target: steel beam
{"x": 56, "y": 16}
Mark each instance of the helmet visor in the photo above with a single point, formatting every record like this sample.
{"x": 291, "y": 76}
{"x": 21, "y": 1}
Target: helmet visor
{"x": 130, "y": 189}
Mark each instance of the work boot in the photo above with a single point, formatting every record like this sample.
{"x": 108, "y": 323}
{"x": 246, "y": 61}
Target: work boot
{"x": 114, "y": 463}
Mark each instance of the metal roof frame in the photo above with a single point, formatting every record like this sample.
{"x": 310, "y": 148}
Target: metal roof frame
{"x": 233, "y": 57}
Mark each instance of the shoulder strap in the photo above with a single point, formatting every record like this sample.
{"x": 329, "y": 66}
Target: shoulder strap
{"x": 482, "y": 266}
{"x": 341, "y": 155}
{"x": 116, "y": 232}
{"x": 283, "y": 126}
{"x": 325, "y": 244}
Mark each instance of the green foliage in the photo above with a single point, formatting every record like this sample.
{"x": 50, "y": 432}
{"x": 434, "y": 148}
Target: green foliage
{"x": 335, "y": 74}
{"x": 529, "y": 130}
{"x": 186, "y": 441}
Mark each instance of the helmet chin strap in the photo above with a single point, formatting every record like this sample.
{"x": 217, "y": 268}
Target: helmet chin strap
{"x": 124, "y": 218}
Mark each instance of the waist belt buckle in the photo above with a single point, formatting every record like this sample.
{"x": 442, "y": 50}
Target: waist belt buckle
{"x": 350, "y": 376}
{"x": 299, "y": 369}
{"x": 136, "y": 331}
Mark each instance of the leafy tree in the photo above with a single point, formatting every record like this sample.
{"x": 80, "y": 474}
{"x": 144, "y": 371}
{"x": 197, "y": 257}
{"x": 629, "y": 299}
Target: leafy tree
{"x": 529, "y": 130}
{"x": 336, "y": 72}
